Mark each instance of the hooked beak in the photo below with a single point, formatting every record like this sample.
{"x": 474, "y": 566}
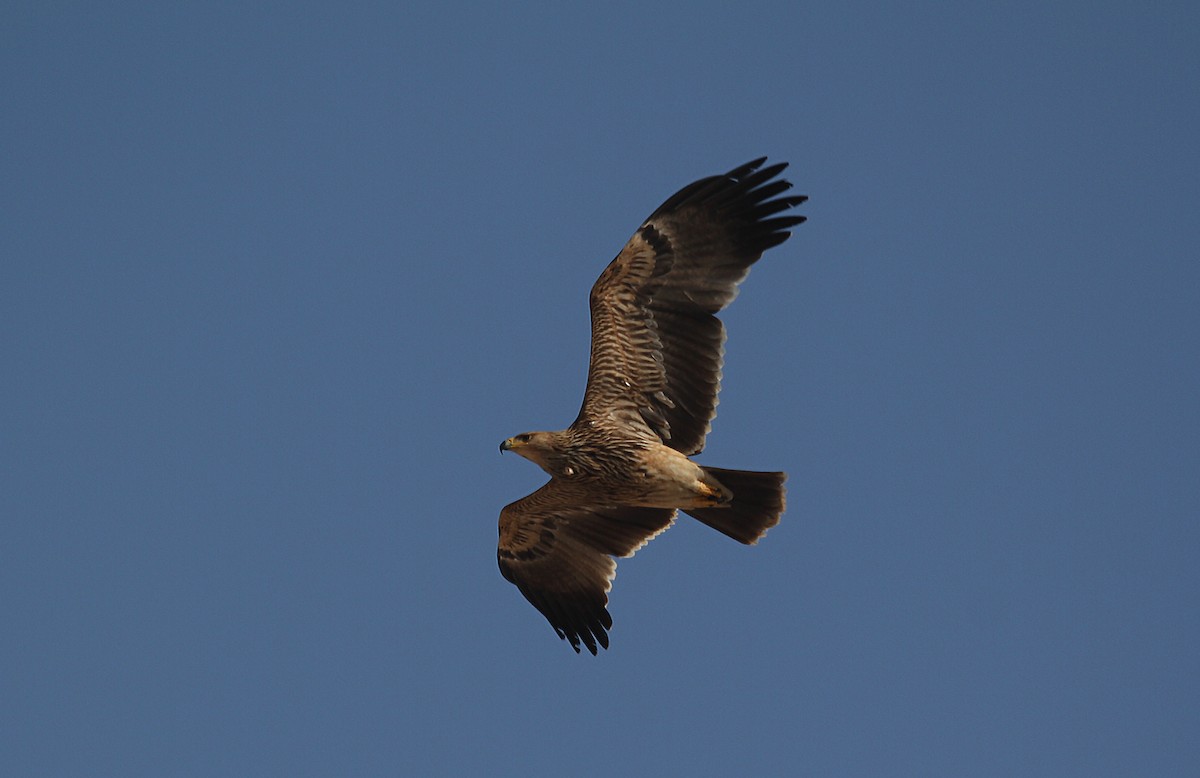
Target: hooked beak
{"x": 506, "y": 446}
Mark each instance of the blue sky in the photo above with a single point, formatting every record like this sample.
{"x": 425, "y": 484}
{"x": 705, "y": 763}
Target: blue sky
{"x": 276, "y": 279}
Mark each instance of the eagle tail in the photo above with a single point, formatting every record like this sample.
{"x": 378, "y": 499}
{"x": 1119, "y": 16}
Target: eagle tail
{"x": 758, "y": 502}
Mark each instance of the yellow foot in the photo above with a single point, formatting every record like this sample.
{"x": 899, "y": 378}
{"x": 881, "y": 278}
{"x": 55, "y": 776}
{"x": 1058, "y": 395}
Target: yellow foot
{"x": 714, "y": 495}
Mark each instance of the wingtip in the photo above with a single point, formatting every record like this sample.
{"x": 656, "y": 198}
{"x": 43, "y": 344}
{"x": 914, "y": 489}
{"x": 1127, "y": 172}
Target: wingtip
{"x": 741, "y": 171}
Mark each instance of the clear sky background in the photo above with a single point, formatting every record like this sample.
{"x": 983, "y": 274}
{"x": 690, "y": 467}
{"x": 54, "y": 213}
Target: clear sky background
{"x": 277, "y": 278}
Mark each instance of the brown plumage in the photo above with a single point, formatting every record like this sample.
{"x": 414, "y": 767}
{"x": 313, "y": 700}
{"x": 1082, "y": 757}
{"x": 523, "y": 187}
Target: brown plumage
{"x": 621, "y": 470}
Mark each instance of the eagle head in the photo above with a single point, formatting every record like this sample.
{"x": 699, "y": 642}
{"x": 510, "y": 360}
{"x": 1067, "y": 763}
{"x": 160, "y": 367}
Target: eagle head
{"x": 541, "y": 448}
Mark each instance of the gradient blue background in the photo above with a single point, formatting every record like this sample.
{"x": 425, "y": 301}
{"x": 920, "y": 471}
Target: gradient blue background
{"x": 276, "y": 279}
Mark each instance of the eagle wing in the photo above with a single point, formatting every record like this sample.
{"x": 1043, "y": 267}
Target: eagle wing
{"x": 557, "y": 548}
{"x": 657, "y": 345}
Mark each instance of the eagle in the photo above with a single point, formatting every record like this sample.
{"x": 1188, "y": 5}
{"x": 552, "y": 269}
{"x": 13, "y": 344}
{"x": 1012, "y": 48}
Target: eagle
{"x": 622, "y": 469}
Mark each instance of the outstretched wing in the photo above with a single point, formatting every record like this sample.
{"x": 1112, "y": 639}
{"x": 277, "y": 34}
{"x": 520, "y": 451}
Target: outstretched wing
{"x": 558, "y": 550}
{"x": 656, "y": 344}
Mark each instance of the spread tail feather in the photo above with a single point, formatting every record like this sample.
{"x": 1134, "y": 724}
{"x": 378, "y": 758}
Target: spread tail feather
{"x": 758, "y": 502}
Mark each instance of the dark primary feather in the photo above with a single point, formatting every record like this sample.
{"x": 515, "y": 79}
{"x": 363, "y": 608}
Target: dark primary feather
{"x": 656, "y": 344}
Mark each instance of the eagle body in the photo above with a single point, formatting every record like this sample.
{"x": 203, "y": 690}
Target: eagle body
{"x": 622, "y": 469}
{"x": 643, "y": 473}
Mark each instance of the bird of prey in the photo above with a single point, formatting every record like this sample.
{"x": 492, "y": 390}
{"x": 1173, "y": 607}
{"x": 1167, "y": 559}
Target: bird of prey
{"x": 622, "y": 469}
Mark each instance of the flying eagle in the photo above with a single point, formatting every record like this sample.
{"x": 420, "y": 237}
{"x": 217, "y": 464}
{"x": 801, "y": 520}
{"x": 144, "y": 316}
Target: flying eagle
{"x": 621, "y": 470}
